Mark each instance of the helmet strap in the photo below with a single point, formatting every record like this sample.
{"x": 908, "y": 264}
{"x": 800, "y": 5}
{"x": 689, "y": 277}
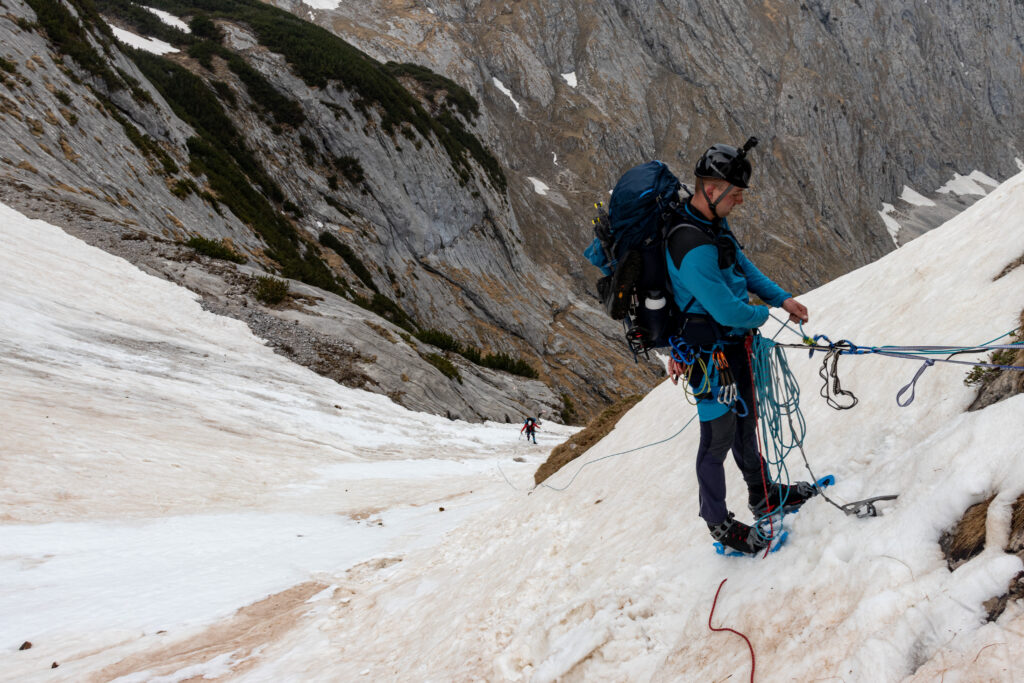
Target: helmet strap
{"x": 713, "y": 205}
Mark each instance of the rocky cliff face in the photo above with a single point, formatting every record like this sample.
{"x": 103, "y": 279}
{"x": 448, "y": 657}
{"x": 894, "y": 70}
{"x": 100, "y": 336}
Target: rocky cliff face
{"x": 851, "y": 100}
{"x": 126, "y": 154}
{"x": 465, "y": 212}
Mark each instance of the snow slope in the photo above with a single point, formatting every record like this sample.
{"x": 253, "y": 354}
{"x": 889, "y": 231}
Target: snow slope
{"x": 613, "y": 578}
{"x": 162, "y": 468}
{"x": 132, "y": 439}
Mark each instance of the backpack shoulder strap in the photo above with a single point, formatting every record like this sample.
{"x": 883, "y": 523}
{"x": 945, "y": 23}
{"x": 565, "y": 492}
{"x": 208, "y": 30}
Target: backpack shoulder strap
{"x": 684, "y": 236}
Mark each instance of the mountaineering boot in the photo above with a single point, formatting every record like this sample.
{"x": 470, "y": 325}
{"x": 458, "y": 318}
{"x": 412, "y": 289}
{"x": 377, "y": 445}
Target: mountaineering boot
{"x": 738, "y": 536}
{"x": 783, "y": 498}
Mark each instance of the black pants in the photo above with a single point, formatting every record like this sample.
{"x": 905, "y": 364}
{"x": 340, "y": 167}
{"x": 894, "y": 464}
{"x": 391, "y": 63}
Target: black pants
{"x": 730, "y": 431}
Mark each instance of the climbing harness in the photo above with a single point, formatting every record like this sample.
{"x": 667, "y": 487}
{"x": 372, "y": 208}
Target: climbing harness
{"x": 715, "y": 372}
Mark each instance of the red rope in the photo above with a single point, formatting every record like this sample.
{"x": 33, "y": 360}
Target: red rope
{"x": 753, "y": 661}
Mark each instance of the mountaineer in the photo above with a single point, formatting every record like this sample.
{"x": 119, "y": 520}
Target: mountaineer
{"x": 530, "y": 427}
{"x": 711, "y": 279}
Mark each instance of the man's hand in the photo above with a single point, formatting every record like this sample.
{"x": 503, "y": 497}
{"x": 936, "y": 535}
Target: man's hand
{"x": 797, "y": 311}
{"x": 675, "y": 370}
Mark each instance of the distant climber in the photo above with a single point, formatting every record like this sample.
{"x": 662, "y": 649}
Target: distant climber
{"x": 530, "y": 427}
{"x": 711, "y": 279}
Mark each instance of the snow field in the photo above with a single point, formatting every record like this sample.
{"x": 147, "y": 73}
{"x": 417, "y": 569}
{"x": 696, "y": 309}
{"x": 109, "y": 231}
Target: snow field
{"x": 162, "y": 471}
{"x": 613, "y": 578}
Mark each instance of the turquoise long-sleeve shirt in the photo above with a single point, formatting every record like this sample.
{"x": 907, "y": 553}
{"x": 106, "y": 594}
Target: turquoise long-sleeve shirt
{"x": 697, "y": 275}
{"x": 708, "y": 271}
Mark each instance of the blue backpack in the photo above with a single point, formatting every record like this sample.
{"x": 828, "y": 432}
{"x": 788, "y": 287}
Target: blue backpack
{"x": 629, "y": 248}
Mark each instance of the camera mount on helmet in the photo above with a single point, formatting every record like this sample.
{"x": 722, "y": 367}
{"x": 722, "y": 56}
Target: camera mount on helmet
{"x": 727, "y": 163}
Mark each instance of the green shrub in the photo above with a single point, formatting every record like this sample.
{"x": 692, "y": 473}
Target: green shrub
{"x": 338, "y": 206}
{"x": 68, "y": 35}
{"x": 350, "y": 168}
{"x": 184, "y": 187}
{"x": 320, "y": 57}
{"x": 143, "y": 21}
{"x": 270, "y": 290}
{"x": 218, "y": 250}
{"x": 145, "y": 144}
{"x": 495, "y": 361}
{"x": 354, "y": 263}
{"x": 219, "y": 152}
{"x": 63, "y": 97}
{"x": 453, "y": 95}
{"x": 8, "y": 66}
{"x": 506, "y": 363}
{"x": 446, "y": 367}
{"x": 283, "y": 108}
{"x": 387, "y": 309}
{"x": 473, "y": 355}
{"x": 568, "y": 411}
{"x": 441, "y": 340}
{"x": 203, "y": 52}
{"x": 984, "y": 376}
{"x": 225, "y": 92}
{"x": 202, "y": 26}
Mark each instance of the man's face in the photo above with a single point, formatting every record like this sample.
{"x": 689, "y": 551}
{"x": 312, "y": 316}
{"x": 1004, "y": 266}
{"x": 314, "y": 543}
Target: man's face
{"x": 734, "y": 197}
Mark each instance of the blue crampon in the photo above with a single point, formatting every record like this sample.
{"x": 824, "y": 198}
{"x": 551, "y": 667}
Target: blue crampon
{"x": 773, "y": 546}
{"x": 769, "y": 521}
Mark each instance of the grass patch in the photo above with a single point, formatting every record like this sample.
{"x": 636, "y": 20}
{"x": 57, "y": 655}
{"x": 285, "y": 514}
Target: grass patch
{"x": 966, "y": 539}
{"x": 270, "y": 290}
{"x": 218, "y": 250}
{"x": 1010, "y": 267}
{"x": 582, "y": 440}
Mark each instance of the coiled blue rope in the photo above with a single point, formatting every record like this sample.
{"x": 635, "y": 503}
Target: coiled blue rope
{"x": 780, "y": 420}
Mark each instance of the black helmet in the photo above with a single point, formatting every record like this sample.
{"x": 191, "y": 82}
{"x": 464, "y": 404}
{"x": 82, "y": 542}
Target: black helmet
{"x": 726, "y": 163}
